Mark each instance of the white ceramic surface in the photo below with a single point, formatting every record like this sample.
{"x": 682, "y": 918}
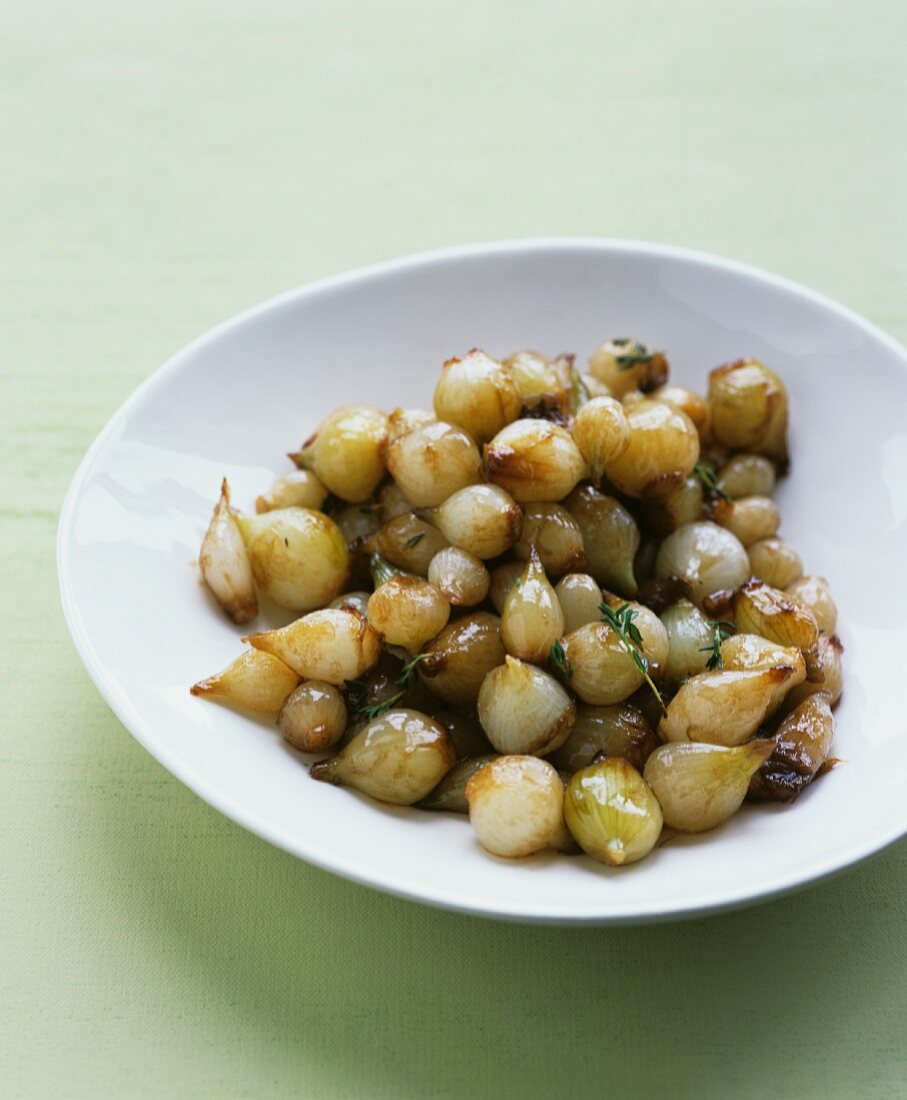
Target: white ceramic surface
{"x": 234, "y": 401}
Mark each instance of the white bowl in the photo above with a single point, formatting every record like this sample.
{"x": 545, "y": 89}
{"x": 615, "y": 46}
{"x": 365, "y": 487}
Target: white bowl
{"x": 235, "y": 400}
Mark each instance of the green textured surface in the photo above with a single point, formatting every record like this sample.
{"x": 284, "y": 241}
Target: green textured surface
{"x": 169, "y": 164}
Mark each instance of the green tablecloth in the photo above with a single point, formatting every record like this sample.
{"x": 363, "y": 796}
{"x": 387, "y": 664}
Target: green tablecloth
{"x": 167, "y": 164}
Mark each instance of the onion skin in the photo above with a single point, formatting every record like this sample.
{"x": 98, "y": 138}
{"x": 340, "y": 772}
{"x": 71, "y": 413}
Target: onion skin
{"x": 801, "y": 746}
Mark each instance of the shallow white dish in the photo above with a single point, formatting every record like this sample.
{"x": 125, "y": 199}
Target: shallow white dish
{"x": 235, "y": 400}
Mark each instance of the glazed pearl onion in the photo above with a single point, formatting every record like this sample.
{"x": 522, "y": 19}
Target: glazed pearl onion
{"x": 580, "y": 599}
{"x": 408, "y": 611}
{"x": 516, "y": 805}
{"x": 461, "y": 576}
{"x": 664, "y": 448}
{"x": 706, "y": 556}
{"x": 816, "y": 594}
{"x": 534, "y": 460}
{"x": 602, "y": 432}
{"x": 747, "y": 475}
{"x": 314, "y": 717}
{"x": 477, "y": 393}
{"x": 775, "y": 561}
{"x": 432, "y": 462}
{"x": 556, "y": 536}
{"x": 482, "y": 519}
{"x": 532, "y": 373}
{"x": 532, "y": 620}
{"x": 347, "y": 452}
{"x": 524, "y": 710}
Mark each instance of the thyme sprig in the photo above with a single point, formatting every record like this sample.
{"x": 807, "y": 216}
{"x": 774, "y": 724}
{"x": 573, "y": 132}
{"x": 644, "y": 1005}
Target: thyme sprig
{"x": 721, "y": 630}
{"x": 357, "y": 691}
{"x": 621, "y": 622}
{"x": 709, "y": 480}
{"x": 560, "y": 661}
{"x": 633, "y": 354}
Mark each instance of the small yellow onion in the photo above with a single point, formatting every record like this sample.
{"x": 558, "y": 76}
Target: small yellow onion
{"x": 532, "y": 619}
{"x": 775, "y": 561}
{"x": 524, "y": 710}
{"x": 461, "y": 577}
{"x": 690, "y": 640}
{"x": 408, "y": 611}
{"x": 693, "y": 404}
{"x": 483, "y": 519}
{"x": 747, "y": 475}
{"x": 450, "y": 794}
{"x": 760, "y": 609}
{"x": 664, "y": 448}
{"x": 224, "y": 562}
{"x": 409, "y": 543}
{"x": 392, "y": 502}
{"x": 556, "y": 536}
{"x": 314, "y": 717}
{"x": 580, "y": 599}
{"x": 347, "y": 452}
{"x": 516, "y": 805}
{"x": 503, "y": 578}
{"x": 477, "y": 393}
{"x": 534, "y": 460}
{"x": 829, "y": 674}
{"x": 619, "y": 730}
{"x": 699, "y": 786}
{"x": 602, "y": 432}
{"x": 255, "y": 681}
{"x": 403, "y": 421}
{"x": 749, "y": 518}
{"x": 610, "y": 537}
{"x": 750, "y": 651}
{"x": 706, "y": 556}
{"x": 602, "y": 670}
{"x": 331, "y": 645}
{"x": 749, "y": 409}
{"x": 815, "y": 593}
{"x": 397, "y": 758}
{"x": 532, "y": 373}
{"x": 461, "y": 656}
{"x": 624, "y": 365}
{"x": 801, "y": 746}
{"x": 432, "y": 462}
{"x": 612, "y": 812}
{"x": 683, "y": 506}
{"x": 723, "y": 708}
{"x": 297, "y": 489}
{"x": 299, "y": 557}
